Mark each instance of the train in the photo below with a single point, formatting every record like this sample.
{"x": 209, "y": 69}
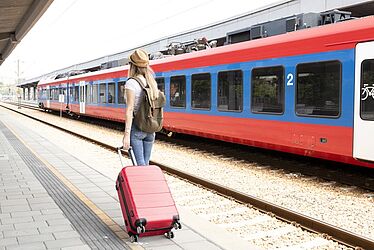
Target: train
{"x": 309, "y": 92}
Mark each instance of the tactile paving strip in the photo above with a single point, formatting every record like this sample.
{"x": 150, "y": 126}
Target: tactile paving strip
{"x": 93, "y": 231}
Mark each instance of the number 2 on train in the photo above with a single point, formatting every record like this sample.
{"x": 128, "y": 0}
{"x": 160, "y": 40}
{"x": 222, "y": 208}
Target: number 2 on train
{"x": 290, "y": 79}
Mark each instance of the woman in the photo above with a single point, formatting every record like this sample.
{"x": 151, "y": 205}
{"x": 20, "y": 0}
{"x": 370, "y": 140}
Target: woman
{"x": 141, "y": 142}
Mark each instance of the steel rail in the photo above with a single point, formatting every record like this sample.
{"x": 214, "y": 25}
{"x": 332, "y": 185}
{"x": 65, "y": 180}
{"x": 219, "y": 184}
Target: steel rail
{"x": 24, "y": 105}
{"x": 328, "y": 231}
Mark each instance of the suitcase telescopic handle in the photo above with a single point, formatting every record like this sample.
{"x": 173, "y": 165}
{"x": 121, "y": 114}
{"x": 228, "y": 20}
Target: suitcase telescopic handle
{"x": 131, "y": 155}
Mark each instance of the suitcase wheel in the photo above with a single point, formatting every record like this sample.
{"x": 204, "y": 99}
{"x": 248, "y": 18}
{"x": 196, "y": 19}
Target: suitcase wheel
{"x": 140, "y": 229}
{"x": 170, "y": 235}
{"x": 134, "y": 238}
{"x": 177, "y": 225}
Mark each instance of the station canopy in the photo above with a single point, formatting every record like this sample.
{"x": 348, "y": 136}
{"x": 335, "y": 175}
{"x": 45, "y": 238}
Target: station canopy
{"x": 17, "y": 17}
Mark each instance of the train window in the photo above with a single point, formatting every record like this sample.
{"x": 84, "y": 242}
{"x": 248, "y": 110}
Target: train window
{"x": 71, "y": 94}
{"x": 111, "y": 92}
{"x": 55, "y": 94}
{"x": 45, "y": 94}
{"x": 200, "y": 92}
{"x": 50, "y": 94}
{"x": 42, "y": 95}
{"x": 121, "y": 92}
{"x": 268, "y": 90}
{"x": 318, "y": 89}
{"x": 82, "y": 94}
{"x": 367, "y": 90}
{"x": 88, "y": 93}
{"x": 230, "y": 90}
{"x": 161, "y": 83}
{"x": 94, "y": 93}
{"x": 102, "y": 92}
{"x": 76, "y": 93}
{"x": 178, "y": 91}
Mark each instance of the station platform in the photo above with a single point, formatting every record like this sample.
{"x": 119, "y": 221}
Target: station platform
{"x": 52, "y": 200}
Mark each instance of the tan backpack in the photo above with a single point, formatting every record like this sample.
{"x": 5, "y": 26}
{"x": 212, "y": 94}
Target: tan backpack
{"x": 149, "y": 118}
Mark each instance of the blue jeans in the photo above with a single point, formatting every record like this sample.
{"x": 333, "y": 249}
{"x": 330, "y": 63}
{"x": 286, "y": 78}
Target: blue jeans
{"x": 141, "y": 143}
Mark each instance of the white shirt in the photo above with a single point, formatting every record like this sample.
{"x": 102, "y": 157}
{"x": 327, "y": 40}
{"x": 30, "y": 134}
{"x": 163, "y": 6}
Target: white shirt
{"x": 138, "y": 90}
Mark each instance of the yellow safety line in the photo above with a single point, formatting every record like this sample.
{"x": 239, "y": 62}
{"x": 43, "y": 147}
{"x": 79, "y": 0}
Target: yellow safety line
{"x": 100, "y": 213}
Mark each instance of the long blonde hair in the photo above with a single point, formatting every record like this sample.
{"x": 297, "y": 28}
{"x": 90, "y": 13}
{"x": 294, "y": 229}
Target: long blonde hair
{"x": 148, "y": 73}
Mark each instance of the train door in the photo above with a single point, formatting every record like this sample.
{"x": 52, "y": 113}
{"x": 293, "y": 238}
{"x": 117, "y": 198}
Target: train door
{"x": 363, "y": 136}
{"x": 82, "y": 97}
{"x": 48, "y": 102}
{"x": 68, "y": 91}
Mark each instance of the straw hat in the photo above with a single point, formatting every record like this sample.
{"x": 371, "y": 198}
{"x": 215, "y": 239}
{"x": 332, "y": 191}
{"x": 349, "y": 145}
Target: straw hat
{"x": 139, "y": 58}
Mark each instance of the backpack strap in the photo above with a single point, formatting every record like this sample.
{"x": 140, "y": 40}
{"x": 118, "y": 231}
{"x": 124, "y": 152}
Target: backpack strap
{"x": 139, "y": 81}
{"x": 145, "y": 89}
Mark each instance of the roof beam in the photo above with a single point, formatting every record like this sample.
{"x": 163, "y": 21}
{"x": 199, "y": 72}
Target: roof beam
{"x": 35, "y": 11}
{"x": 4, "y": 36}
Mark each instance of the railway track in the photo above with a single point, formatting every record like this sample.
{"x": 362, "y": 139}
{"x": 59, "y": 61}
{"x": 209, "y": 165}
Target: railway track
{"x": 328, "y": 231}
{"x": 339, "y": 173}
{"x": 24, "y": 105}
{"x": 331, "y": 172}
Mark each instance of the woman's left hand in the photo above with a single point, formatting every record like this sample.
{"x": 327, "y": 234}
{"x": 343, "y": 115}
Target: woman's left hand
{"x": 126, "y": 141}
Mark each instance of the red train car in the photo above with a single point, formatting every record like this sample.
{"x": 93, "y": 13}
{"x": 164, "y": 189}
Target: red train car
{"x": 309, "y": 92}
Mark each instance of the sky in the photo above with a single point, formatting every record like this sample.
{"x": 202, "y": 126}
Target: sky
{"x": 75, "y": 31}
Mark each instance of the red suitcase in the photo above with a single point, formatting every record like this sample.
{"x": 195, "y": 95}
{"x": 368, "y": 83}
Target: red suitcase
{"x": 147, "y": 205}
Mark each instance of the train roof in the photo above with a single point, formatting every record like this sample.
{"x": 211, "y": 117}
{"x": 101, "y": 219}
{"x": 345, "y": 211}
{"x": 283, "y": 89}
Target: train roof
{"x": 332, "y": 37}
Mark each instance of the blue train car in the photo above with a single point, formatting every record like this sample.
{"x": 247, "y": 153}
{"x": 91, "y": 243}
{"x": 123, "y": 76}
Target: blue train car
{"x": 309, "y": 92}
